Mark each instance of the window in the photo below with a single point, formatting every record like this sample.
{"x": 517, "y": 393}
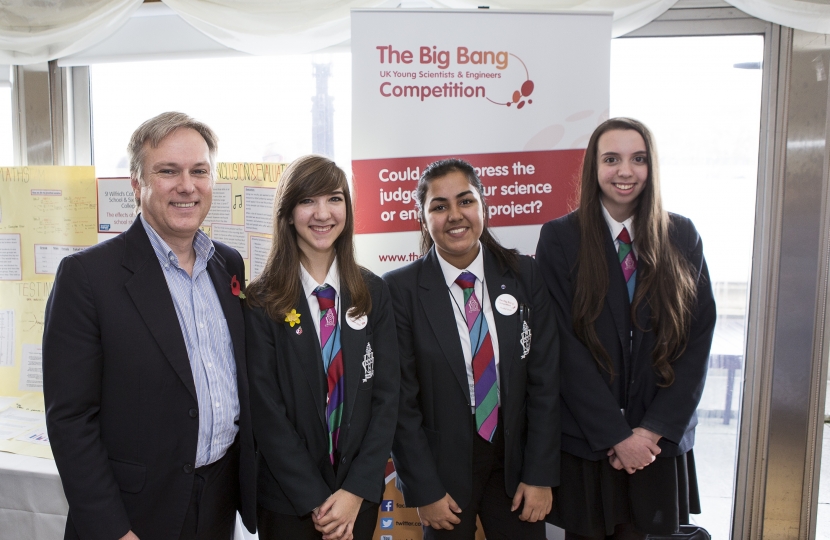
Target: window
{"x": 260, "y": 107}
{"x": 701, "y": 96}
{"x": 6, "y": 132}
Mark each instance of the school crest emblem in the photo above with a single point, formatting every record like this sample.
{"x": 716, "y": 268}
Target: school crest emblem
{"x": 525, "y": 341}
{"x": 368, "y": 363}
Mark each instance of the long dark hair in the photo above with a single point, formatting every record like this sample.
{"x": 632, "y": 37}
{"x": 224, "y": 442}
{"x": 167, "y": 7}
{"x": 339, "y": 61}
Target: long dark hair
{"x": 507, "y": 258}
{"x": 665, "y": 279}
{"x": 278, "y": 289}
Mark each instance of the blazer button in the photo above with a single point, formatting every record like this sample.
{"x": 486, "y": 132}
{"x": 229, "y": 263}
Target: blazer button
{"x": 193, "y": 413}
{"x": 343, "y": 460}
{"x": 188, "y": 468}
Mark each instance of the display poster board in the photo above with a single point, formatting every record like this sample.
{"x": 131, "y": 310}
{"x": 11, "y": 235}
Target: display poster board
{"x": 46, "y": 213}
{"x": 515, "y": 94}
{"x": 241, "y": 213}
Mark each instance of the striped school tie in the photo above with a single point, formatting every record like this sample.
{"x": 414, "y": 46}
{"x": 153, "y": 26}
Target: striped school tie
{"x": 628, "y": 262}
{"x": 484, "y": 359}
{"x": 332, "y": 363}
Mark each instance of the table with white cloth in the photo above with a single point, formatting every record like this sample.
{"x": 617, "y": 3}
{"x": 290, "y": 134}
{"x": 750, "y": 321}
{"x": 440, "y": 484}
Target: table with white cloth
{"x": 32, "y": 503}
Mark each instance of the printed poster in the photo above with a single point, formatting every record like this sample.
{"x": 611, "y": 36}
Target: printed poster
{"x": 516, "y": 94}
{"x": 46, "y": 213}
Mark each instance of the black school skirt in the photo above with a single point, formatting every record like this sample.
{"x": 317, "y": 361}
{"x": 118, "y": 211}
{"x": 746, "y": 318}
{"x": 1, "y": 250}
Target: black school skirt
{"x": 593, "y": 497}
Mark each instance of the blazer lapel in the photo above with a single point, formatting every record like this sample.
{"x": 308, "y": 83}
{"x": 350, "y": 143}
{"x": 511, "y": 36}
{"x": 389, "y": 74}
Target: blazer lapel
{"x": 501, "y": 282}
{"x": 151, "y": 296}
{"x": 231, "y": 306}
{"x": 353, "y": 344}
{"x": 306, "y": 347}
{"x": 438, "y": 309}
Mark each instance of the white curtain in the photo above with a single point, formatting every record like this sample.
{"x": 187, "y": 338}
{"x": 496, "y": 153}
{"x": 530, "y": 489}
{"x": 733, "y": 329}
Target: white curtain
{"x": 33, "y": 32}
{"x": 265, "y": 27}
{"x": 292, "y": 26}
{"x": 811, "y": 15}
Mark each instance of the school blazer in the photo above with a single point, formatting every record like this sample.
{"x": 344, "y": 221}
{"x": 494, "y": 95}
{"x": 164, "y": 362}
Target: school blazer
{"x": 288, "y": 401}
{"x": 433, "y": 448}
{"x": 592, "y": 421}
{"x": 121, "y": 405}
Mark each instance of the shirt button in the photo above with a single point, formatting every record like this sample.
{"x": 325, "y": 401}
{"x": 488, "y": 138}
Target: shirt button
{"x": 210, "y": 364}
{"x": 201, "y": 325}
{"x": 193, "y": 413}
{"x": 188, "y": 468}
{"x": 217, "y": 404}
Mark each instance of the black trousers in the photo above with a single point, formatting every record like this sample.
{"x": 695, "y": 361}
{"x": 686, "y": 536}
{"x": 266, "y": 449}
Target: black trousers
{"x": 211, "y": 514}
{"x": 489, "y": 500}
{"x": 276, "y": 526}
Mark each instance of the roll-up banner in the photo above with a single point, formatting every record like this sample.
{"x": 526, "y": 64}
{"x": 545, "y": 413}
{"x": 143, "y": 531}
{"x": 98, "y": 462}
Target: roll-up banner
{"x": 516, "y": 94}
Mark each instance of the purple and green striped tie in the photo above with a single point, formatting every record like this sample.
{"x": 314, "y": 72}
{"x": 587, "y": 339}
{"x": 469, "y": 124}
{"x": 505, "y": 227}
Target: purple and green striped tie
{"x": 484, "y": 359}
{"x": 332, "y": 363}
{"x": 628, "y": 262}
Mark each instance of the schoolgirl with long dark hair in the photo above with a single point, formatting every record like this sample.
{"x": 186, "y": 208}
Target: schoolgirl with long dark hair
{"x": 635, "y": 303}
{"x": 323, "y": 366}
{"x": 478, "y": 431}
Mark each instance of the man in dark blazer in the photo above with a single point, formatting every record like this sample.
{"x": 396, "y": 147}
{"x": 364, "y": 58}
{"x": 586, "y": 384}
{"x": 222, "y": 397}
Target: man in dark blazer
{"x": 144, "y": 369}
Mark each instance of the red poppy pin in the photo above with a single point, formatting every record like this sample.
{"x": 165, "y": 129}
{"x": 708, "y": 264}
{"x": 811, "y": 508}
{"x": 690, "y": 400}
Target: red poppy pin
{"x": 236, "y": 288}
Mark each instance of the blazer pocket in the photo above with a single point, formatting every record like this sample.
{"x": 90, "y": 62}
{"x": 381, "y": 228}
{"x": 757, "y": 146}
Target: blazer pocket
{"x": 128, "y": 476}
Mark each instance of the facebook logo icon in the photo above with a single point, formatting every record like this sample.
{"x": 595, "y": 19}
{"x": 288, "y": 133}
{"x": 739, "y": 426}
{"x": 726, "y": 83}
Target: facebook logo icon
{"x": 387, "y": 505}
{"x": 386, "y": 523}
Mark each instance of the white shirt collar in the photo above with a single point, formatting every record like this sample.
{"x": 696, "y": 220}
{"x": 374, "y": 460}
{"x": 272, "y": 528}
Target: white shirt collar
{"x": 332, "y": 278}
{"x": 451, "y": 273}
{"x": 616, "y": 226}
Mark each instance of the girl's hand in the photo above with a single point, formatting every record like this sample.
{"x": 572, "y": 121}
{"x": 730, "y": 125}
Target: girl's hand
{"x": 440, "y": 514}
{"x": 634, "y": 453}
{"x": 538, "y": 501}
{"x": 335, "y": 518}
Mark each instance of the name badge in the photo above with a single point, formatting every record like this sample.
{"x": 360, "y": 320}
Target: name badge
{"x": 358, "y": 323}
{"x": 506, "y": 304}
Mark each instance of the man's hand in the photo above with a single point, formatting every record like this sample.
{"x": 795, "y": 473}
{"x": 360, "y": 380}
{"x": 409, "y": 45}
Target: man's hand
{"x": 537, "y": 499}
{"x": 335, "y": 518}
{"x": 440, "y": 514}
{"x": 129, "y": 536}
{"x": 634, "y": 453}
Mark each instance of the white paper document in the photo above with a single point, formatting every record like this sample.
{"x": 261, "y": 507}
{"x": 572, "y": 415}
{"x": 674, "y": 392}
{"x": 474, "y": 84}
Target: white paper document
{"x": 7, "y": 338}
{"x": 14, "y": 422}
{"x": 31, "y": 368}
{"x": 259, "y": 209}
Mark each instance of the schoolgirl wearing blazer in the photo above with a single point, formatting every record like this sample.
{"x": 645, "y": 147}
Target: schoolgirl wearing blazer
{"x": 628, "y": 404}
{"x": 323, "y": 365}
{"x": 498, "y": 464}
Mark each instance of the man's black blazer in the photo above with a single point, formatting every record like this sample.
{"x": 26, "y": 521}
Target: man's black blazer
{"x": 591, "y": 418}
{"x": 288, "y": 399}
{"x": 121, "y": 406}
{"x": 433, "y": 448}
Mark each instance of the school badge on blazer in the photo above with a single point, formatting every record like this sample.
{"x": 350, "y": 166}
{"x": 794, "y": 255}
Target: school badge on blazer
{"x": 368, "y": 363}
{"x": 525, "y": 340}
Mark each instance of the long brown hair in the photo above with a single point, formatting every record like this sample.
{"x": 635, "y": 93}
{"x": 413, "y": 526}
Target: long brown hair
{"x": 665, "y": 279}
{"x": 278, "y": 289}
{"x": 507, "y": 258}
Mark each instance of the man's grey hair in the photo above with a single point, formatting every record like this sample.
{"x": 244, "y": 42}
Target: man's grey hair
{"x": 154, "y": 130}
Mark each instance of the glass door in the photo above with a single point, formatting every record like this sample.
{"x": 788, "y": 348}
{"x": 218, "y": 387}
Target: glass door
{"x": 701, "y": 96}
